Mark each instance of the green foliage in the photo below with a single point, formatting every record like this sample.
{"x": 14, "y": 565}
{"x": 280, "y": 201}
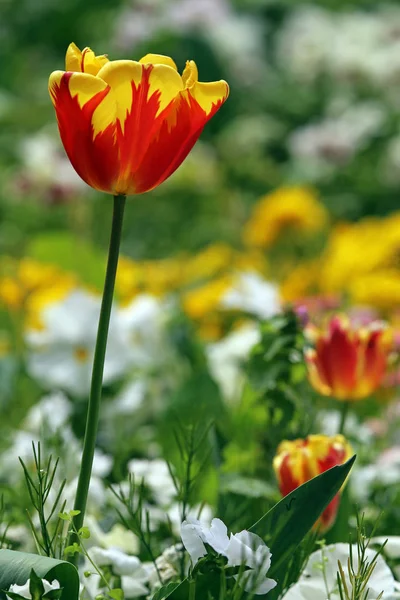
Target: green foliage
{"x": 165, "y": 591}
{"x": 36, "y": 590}
{"x": 70, "y": 253}
{"x": 289, "y": 521}
{"x": 40, "y": 485}
{"x": 16, "y": 567}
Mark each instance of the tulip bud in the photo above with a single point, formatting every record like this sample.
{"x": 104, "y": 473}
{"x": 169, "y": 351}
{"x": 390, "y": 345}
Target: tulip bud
{"x": 300, "y": 460}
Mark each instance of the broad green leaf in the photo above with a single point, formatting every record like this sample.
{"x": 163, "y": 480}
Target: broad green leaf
{"x": 286, "y": 524}
{"x": 70, "y": 254}
{"x": 16, "y": 567}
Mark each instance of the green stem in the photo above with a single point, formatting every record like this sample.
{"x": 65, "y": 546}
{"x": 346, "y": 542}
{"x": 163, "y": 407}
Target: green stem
{"x": 343, "y": 416}
{"x": 92, "y": 419}
{"x": 192, "y": 590}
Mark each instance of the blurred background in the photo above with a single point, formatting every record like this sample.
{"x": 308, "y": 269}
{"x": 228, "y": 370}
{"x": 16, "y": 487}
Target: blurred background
{"x": 296, "y": 178}
{"x": 290, "y": 197}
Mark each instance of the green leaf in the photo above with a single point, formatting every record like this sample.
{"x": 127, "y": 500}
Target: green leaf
{"x": 70, "y": 254}
{"x": 116, "y": 594}
{"x": 36, "y": 587}
{"x": 75, "y": 547}
{"x": 166, "y": 590}
{"x": 84, "y": 533}
{"x": 16, "y": 567}
{"x": 286, "y": 524}
{"x": 53, "y": 595}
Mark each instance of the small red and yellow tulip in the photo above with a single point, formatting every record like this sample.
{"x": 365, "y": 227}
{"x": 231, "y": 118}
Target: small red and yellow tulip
{"x": 126, "y": 126}
{"x": 348, "y": 362}
{"x": 300, "y": 460}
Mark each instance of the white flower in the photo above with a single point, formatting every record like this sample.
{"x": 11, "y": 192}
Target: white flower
{"x": 52, "y": 412}
{"x": 23, "y": 590}
{"x": 134, "y": 586}
{"x": 329, "y": 422}
{"x": 156, "y": 475}
{"x": 129, "y": 399}
{"x": 226, "y": 358}
{"x": 319, "y": 578}
{"x": 46, "y": 165}
{"x": 121, "y": 563}
{"x": 252, "y": 294}
{"x": 384, "y": 471}
{"x": 61, "y": 354}
{"x": 339, "y": 136}
{"x": 118, "y": 537}
{"x": 202, "y": 512}
{"x": 241, "y": 548}
{"x": 168, "y": 566}
{"x": 143, "y": 322}
{"x": 392, "y": 545}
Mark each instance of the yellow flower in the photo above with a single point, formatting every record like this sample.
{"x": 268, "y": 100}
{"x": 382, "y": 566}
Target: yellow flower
{"x": 45, "y": 295}
{"x": 302, "y": 281}
{"x": 294, "y": 207}
{"x": 200, "y": 301}
{"x": 380, "y": 289}
{"x": 156, "y": 277}
{"x": 29, "y": 285}
{"x": 129, "y": 279}
{"x": 354, "y": 250}
{"x": 209, "y": 262}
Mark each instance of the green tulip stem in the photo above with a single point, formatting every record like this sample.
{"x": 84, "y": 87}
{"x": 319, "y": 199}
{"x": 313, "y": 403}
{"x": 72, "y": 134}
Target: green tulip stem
{"x": 343, "y": 416}
{"x": 92, "y": 419}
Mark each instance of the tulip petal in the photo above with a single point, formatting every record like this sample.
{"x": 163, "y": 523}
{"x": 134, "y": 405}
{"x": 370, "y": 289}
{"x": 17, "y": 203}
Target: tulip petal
{"x": 145, "y": 94}
{"x": 177, "y": 135}
{"x": 84, "y": 61}
{"x": 210, "y": 96}
{"x": 73, "y": 59}
{"x": 86, "y": 109}
{"x": 339, "y": 355}
{"x": 158, "y": 59}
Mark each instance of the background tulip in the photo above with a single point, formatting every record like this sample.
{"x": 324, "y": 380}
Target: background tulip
{"x": 348, "y": 362}
{"x": 299, "y": 460}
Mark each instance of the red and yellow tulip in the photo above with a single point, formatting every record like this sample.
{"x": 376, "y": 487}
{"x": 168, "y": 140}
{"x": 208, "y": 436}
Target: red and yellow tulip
{"x": 125, "y": 125}
{"x": 348, "y": 362}
{"x": 300, "y": 460}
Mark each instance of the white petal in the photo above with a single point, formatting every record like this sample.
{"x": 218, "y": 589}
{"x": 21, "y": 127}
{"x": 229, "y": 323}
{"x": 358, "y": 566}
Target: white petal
{"x": 217, "y": 536}
{"x": 192, "y": 541}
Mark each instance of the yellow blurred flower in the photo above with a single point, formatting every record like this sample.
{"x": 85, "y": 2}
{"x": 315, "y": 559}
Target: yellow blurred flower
{"x": 28, "y": 285}
{"x": 302, "y": 281}
{"x": 380, "y": 289}
{"x": 294, "y": 208}
{"x": 200, "y": 301}
{"x": 156, "y": 277}
{"x": 209, "y": 262}
{"x": 354, "y": 250}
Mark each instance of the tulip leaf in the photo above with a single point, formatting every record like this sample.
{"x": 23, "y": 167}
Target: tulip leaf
{"x": 16, "y": 567}
{"x": 287, "y": 523}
